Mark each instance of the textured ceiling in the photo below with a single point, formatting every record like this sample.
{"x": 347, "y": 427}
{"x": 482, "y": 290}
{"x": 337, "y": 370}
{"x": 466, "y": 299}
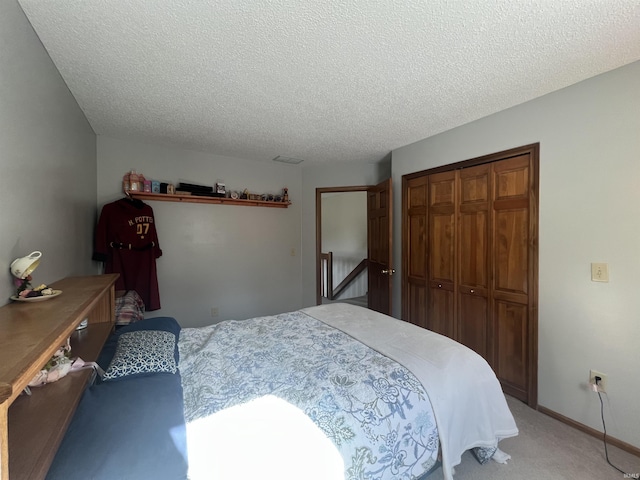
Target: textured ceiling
{"x": 320, "y": 80}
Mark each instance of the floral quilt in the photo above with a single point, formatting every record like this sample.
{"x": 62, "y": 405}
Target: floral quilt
{"x": 374, "y": 410}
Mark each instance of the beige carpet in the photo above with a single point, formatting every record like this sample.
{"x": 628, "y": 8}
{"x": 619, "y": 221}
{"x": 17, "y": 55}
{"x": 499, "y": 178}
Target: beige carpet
{"x": 547, "y": 449}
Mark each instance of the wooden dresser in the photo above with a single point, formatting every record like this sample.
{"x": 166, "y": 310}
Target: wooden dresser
{"x": 31, "y": 427}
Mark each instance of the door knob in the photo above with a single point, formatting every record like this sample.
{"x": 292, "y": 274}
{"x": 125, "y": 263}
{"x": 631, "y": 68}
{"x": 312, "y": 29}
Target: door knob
{"x": 389, "y": 271}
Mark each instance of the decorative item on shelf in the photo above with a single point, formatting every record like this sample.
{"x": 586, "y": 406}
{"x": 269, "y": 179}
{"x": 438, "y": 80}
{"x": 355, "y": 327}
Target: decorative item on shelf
{"x": 147, "y": 186}
{"x": 235, "y": 195}
{"x": 285, "y": 194}
{"x": 194, "y": 189}
{"x": 56, "y": 368}
{"x": 245, "y": 194}
{"x": 217, "y": 191}
{"x": 171, "y": 189}
{"x": 133, "y": 182}
{"x": 21, "y": 269}
{"x": 155, "y": 186}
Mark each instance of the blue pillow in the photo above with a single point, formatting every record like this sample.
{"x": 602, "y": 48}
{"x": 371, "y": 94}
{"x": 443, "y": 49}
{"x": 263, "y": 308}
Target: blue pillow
{"x": 142, "y": 352}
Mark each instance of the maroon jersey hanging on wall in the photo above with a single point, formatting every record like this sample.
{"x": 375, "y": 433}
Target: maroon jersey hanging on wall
{"x": 127, "y": 241}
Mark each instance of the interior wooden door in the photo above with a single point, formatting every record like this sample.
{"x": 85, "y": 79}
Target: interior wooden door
{"x": 441, "y": 272}
{"x": 473, "y": 258}
{"x": 379, "y": 230}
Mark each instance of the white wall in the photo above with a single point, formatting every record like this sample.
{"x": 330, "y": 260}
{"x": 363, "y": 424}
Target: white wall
{"x": 235, "y": 258}
{"x": 344, "y": 232}
{"x": 47, "y": 160}
{"x": 344, "y": 223}
{"x": 589, "y": 138}
{"x": 324, "y": 176}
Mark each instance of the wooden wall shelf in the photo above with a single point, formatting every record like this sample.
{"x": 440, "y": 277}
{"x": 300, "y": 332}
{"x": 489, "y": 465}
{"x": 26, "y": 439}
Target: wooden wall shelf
{"x": 166, "y": 197}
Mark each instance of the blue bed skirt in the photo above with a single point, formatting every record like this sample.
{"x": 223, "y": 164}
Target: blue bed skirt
{"x": 132, "y": 428}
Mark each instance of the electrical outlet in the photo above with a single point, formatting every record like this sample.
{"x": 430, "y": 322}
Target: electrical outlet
{"x": 603, "y": 380}
{"x": 214, "y": 312}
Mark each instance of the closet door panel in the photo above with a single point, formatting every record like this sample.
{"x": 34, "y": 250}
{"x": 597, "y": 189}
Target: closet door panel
{"x": 417, "y": 271}
{"x": 417, "y": 305}
{"x": 511, "y": 225}
{"x": 442, "y": 190}
{"x": 473, "y": 261}
{"x": 473, "y": 321}
{"x": 474, "y": 185}
{"x": 512, "y": 178}
{"x": 511, "y": 274}
{"x": 441, "y": 282}
{"x": 440, "y": 317}
{"x": 418, "y": 240}
{"x": 415, "y": 262}
{"x": 441, "y": 247}
{"x": 473, "y": 249}
{"x": 417, "y": 193}
{"x": 511, "y": 321}
{"x": 511, "y": 251}
{"x": 441, "y": 254}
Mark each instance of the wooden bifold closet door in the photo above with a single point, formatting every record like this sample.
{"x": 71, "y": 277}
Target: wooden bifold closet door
{"x": 470, "y": 260}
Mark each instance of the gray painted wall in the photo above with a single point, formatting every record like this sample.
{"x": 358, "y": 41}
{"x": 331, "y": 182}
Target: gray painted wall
{"x": 237, "y": 259}
{"x": 589, "y": 212}
{"x": 47, "y": 160}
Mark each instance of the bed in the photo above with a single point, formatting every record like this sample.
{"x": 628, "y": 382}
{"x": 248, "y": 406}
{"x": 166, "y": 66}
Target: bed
{"x": 328, "y": 392}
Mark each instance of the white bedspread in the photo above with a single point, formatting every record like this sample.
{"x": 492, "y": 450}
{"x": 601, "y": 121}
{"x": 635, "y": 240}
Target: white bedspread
{"x": 468, "y": 404}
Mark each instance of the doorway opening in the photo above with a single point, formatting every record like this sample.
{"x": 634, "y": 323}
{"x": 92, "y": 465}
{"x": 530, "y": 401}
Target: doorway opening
{"x": 341, "y": 245}
{"x": 376, "y": 259}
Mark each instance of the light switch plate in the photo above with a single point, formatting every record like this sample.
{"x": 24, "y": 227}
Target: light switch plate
{"x": 599, "y": 272}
